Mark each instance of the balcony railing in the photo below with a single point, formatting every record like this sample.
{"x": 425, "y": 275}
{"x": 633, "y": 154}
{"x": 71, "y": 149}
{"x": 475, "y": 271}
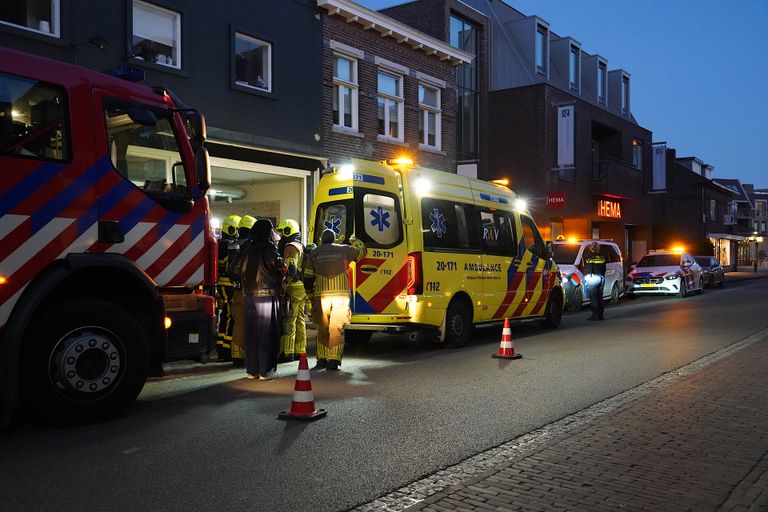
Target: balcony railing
{"x": 611, "y": 176}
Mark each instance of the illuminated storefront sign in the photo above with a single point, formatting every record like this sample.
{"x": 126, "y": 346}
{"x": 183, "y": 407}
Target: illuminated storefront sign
{"x": 556, "y": 199}
{"x": 610, "y": 209}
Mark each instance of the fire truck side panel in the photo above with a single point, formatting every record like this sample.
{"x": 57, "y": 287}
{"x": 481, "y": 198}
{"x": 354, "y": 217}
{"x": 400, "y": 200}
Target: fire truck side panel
{"x": 75, "y": 230}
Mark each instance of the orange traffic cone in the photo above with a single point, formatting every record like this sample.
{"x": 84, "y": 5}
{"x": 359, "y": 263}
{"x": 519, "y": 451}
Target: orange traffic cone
{"x": 303, "y": 404}
{"x": 507, "y": 348}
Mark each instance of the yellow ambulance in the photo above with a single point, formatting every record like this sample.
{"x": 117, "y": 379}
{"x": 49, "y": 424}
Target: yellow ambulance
{"x": 444, "y": 251}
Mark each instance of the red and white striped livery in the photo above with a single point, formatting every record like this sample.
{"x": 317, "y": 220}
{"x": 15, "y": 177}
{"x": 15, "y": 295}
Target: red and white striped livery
{"x": 104, "y": 237}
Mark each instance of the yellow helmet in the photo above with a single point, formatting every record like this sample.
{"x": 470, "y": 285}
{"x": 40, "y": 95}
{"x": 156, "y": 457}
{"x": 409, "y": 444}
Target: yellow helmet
{"x": 247, "y": 222}
{"x": 230, "y": 224}
{"x": 288, "y": 227}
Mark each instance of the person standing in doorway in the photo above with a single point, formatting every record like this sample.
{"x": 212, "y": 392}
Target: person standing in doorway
{"x": 238, "y": 304}
{"x": 327, "y": 280}
{"x": 225, "y": 288}
{"x": 262, "y": 273}
{"x": 594, "y": 275}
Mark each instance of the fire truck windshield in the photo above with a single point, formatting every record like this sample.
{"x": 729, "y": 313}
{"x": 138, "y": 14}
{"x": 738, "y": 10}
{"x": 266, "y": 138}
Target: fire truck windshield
{"x": 146, "y": 153}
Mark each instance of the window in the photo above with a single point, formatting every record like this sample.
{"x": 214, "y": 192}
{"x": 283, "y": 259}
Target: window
{"x": 542, "y": 44}
{"x": 465, "y": 36}
{"x": 390, "y": 111}
{"x": 379, "y": 215}
{"x": 574, "y": 71}
{"x": 532, "y": 238}
{"x": 345, "y": 92}
{"x": 760, "y": 208}
{"x": 498, "y": 232}
{"x": 712, "y": 210}
{"x": 430, "y": 117}
{"x": 637, "y": 154}
{"x": 625, "y": 95}
{"x": 447, "y": 225}
{"x": 32, "y": 119}
{"x": 38, "y": 16}
{"x": 253, "y": 63}
{"x": 602, "y": 80}
{"x": 335, "y": 216}
{"x": 156, "y": 35}
{"x": 145, "y": 154}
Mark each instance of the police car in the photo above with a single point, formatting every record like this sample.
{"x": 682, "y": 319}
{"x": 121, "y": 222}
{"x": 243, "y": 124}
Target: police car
{"x": 569, "y": 256}
{"x": 672, "y": 272}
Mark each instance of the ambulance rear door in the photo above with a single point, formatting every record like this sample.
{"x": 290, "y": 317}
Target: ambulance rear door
{"x": 380, "y": 279}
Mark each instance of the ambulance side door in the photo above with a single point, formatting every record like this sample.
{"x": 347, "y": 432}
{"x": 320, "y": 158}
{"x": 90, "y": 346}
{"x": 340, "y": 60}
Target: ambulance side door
{"x": 532, "y": 254}
{"x": 380, "y": 278}
{"x": 501, "y": 279}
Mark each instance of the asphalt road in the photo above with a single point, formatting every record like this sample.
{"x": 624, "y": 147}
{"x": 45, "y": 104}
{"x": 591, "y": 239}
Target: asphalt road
{"x": 396, "y": 412}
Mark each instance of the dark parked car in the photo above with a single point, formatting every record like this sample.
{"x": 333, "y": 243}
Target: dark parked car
{"x": 711, "y": 270}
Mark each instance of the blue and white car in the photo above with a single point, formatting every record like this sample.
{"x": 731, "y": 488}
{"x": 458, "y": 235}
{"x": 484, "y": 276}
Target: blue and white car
{"x": 665, "y": 273}
{"x": 569, "y": 256}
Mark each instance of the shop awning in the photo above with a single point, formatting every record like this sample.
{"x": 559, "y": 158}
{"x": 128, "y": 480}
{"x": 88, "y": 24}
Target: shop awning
{"x": 726, "y": 236}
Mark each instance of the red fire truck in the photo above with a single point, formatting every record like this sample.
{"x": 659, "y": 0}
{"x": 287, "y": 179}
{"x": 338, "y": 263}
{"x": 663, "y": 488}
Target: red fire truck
{"x": 105, "y": 239}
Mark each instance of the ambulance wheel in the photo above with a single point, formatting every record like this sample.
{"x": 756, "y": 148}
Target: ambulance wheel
{"x": 458, "y": 324}
{"x": 554, "y": 310}
{"x": 83, "y": 362}
{"x": 357, "y": 337}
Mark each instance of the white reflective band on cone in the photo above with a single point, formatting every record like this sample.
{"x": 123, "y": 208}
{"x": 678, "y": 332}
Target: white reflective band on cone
{"x": 303, "y": 396}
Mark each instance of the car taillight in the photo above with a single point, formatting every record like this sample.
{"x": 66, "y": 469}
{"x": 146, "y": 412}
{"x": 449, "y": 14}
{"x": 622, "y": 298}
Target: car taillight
{"x": 415, "y": 283}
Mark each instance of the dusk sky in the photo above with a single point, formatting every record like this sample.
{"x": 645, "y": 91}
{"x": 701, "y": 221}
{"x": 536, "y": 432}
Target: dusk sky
{"x": 699, "y": 70}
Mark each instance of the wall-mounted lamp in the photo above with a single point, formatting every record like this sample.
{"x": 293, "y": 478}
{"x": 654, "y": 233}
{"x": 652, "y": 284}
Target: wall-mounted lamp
{"x": 98, "y": 41}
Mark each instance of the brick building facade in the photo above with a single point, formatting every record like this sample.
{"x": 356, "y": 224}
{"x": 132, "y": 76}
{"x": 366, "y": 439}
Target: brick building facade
{"x": 388, "y": 90}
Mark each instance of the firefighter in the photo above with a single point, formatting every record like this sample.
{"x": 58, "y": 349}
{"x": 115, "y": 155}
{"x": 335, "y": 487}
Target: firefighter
{"x": 325, "y": 277}
{"x": 594, "y": 275}
{"x": 225, "y": 287}
{"x": 238, "y": 333}
{"x": 293, "y": 340}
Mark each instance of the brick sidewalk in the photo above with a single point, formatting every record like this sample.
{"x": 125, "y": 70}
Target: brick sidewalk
{"x": 698, "y": 444}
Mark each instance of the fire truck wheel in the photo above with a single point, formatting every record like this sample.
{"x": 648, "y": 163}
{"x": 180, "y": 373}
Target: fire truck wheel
{"x": 83, "y": 362}
{"x": 458, "y": 324}
{"x": 553, "y": 313}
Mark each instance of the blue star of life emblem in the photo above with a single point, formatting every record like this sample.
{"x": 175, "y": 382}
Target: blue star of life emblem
{"x": 333, "y": 224}
{"x": 380, "y": 218}
{"x": 438, "y": 223}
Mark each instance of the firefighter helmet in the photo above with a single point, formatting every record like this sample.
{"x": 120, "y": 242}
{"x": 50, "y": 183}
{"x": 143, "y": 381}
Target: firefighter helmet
{"x": 288, "y": 227}
{"x": 230, "y": 224}
{"x": 247, "y": 222}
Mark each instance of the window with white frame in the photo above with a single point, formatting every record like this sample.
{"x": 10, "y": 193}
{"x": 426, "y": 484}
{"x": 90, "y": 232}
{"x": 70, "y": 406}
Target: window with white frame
{"x": 430, "y": 117}
{"x": 574, "y": 69}
{"x": 253, "y": 62}
{"x": 345, "y": 92}
{"x": 637, "y": 154}
{"x": 625, "y": 95}
{"x": 602, "y": 81}
{"x": 390, "y": 111}
{"x": 156, "y": 35}
{"x": 761, "y": 208}
{"x": 37, "y": 16}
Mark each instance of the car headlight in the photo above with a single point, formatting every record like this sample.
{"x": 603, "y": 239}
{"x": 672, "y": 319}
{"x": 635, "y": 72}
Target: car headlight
{"x": 672, "y": 277}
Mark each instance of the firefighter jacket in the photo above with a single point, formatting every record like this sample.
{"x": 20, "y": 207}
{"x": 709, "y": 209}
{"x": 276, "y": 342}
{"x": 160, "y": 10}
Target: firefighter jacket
{"x": 293, "y": 252}
{"x": 261, "y": 269}
{"x": 325, "y": 271}
{"x": 594, "y": 264}
{"x": 228, "y": 250}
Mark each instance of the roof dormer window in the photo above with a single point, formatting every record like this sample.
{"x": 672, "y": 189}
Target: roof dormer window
{"x": 625, "y": 95}
{"x": 574, "y": 68}
{"x": 602, "y": 83}
{"x": 542, "y": 49}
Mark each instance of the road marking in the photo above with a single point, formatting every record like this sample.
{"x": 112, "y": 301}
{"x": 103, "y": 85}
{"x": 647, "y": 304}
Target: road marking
{"x": 130, "y": 450}
{"x": 527, "y": 444}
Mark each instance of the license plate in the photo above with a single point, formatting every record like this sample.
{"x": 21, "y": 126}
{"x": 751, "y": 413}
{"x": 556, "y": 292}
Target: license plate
{"x": 194, "y": 337}
{"x": 647, "y": 285}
